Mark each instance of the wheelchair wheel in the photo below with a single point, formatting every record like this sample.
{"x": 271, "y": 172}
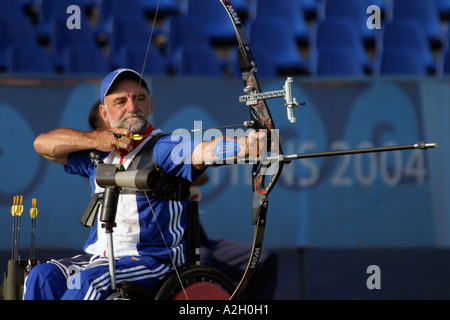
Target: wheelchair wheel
{"x": 199, "y": 283}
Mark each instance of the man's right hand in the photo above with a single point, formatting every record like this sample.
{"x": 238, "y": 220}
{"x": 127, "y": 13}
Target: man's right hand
{"x": 56, "y": 145}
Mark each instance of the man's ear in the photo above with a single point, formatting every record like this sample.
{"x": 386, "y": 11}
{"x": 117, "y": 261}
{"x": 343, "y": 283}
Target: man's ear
{"x": 103, "y": 113}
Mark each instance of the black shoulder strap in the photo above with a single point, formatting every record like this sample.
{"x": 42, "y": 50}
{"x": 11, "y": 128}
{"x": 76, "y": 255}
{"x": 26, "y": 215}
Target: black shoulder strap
{"x": 172, "y": 187}
{"x": 144, "y": 158}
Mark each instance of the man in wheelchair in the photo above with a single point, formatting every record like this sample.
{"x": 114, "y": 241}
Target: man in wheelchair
{"x": 149, "y": 228}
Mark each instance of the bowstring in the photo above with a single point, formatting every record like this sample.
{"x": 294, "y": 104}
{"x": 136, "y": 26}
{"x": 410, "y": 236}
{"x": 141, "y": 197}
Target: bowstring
{"x": 148, "y": 48}
{"x": 172, "y": 258}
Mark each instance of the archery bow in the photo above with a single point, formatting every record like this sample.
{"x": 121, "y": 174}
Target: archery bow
{"x": 260, "y": 119}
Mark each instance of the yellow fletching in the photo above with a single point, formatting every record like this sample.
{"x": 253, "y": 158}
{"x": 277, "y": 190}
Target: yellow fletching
{"x": 14, "y": 206}
{"x": 33, "y": 210}
{"x": 20, "y": 207}
{"x": 33, "y": 213}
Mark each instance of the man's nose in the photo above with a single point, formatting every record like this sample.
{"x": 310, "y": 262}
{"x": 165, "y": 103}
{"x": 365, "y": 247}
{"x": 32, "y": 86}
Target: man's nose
{"x": 131, "y": 106}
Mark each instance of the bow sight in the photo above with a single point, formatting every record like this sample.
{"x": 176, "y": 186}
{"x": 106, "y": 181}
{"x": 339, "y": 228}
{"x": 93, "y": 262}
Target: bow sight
{"x": 252, "y": 97}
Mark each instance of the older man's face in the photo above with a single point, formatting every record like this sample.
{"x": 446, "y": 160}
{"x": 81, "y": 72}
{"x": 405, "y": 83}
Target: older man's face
{"x": 128, "y": 106}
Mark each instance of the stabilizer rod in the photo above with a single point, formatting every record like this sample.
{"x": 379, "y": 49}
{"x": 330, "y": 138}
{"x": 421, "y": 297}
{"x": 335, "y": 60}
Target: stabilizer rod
{"x": 287, "y": 158}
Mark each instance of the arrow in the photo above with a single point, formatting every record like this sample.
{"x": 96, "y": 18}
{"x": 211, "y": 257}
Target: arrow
{"x": 33, "y": 215}
{"x": 16, "y": 212}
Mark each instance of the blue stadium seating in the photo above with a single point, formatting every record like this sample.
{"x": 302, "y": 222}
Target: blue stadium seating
{"x": 407, "y": 35}
{"x": 443, "y": 7}
{"x": 279, "y": 43}
{"x": 60, "y": 38}
{"x": 201, "y": 25}
{"x": 400, "y": 62}
{"x": 310, "y": 8}
{"x": 339, "y": 34}
{"x": 337, "y": 62}
{"x": 16, "y": 30}
{"x": 180, "y": 37}
{"x": 12, "y": 9}
{"x": 127, "y": 31}
{"x": 84, "y": 60}
{"x": 135, "y": 55}
{"x": 164, "y": 7}
{"x": 291, "y": 11}
{"x": 48, "y": 10}
{"x": 200, "y": 61}
{"x": 214, "y": 18}
{"x": 353, "y": 10}
{"x": 425, "y": 12}
{"x": 111, "y": 9}
{"x": 28, "y": 58}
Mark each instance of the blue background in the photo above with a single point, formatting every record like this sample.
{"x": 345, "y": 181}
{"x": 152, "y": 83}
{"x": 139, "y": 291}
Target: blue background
{"x": 396, "y": 199}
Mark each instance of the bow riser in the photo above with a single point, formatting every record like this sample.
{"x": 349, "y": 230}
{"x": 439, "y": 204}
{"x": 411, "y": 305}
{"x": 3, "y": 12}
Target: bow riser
{"x": 260, "y": 119}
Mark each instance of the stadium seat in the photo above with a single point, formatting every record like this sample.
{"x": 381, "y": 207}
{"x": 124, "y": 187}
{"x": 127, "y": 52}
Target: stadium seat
{"x": 291, "y": 11}
{"x": 48, "y": 10}
{"x": 165, "y": 7}
{"x": 84, "y": 60}
{"x": 190, "y": 48}
{"x": 111, "y": 9}
{"x": 353, "y": 10}
{"x": 11, "y": 35}
{"x": 16, "y": 30}
{"x": 280, "y": 46}
{"x": 200, "y": 61}
{"x": 339, "y": 34}
{"x": 338, "y": 62}
{"x": 310, "y": 8}
{"x": 215, "y": 20}
{"x": 180, "y": 36}
{"x": 407, "y": 34}
{"x": 11, "y": 9}
{"x": 60, "y": 37}
{"x": 443, "y": 7}
{"x": 400, "y": 62}
{"x": 127, "y": 31}
{"x": 425, "y": 12}
{"x": 135, "y": 55}
{"x": 28, "y": 58}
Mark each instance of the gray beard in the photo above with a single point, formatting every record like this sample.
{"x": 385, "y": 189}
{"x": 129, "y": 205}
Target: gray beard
{"x": 135, "y": 124}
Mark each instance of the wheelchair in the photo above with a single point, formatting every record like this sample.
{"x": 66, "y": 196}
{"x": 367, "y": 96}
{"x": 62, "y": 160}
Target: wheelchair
{"x": 189, "y": 282}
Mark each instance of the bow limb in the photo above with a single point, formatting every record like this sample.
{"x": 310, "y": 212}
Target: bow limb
{"x": 260, "y": 119}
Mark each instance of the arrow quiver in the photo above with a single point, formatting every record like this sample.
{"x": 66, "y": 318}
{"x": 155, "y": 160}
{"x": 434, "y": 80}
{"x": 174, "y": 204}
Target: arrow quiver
{"x": 18, "y": 269}
{"x": 14, "y": 278}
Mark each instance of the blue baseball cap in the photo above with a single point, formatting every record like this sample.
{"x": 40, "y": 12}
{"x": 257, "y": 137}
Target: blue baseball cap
{"x": 117, "y": 75}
